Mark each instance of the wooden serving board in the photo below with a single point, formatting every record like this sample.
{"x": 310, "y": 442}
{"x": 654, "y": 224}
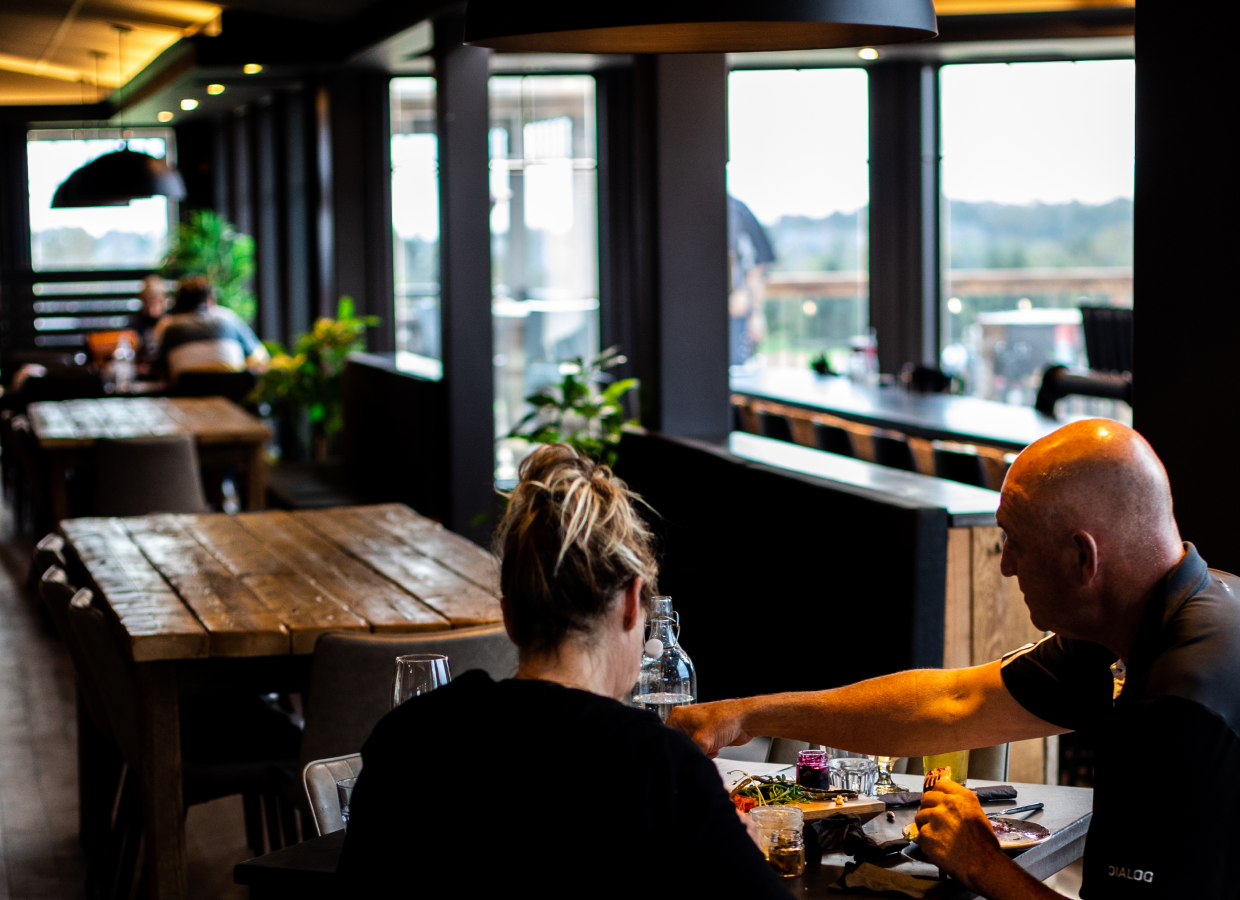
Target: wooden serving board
{"x": 865, "y": 808}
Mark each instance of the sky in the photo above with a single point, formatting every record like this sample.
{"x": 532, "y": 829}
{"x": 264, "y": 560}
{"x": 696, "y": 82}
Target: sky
{"x": 1019, "y": 133}
{"x": 51, "y": 162}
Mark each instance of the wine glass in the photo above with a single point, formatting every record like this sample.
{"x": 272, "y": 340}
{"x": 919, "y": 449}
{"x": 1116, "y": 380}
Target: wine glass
{"x": 885, "y": 785}
{"x": 419, "y": 673}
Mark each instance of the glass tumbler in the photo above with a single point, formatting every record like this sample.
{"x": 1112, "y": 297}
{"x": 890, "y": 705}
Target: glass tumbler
{"x": 771, "y": 819}
{"x": 854, "y": 774}
{"x": 957, "y": 761}
{"x": 419, "y": 673}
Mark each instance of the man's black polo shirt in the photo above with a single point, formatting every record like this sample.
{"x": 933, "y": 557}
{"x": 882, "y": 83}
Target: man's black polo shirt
{"x": 1167, "y": 763}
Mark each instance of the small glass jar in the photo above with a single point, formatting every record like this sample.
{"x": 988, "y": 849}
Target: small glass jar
{"x": 786, "y": 852}
{"x": 812, "y": 769}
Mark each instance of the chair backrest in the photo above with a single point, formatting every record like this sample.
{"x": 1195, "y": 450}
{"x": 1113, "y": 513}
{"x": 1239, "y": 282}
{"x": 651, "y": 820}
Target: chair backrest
{"x": 50, "y": 551}
{"x": 955, "y": 465}
{"x": 765, "y": 749}
{"x": 774, "y": 426}
{"x": 111, "y": 671}
{"x": 137, "y": 476}
{"x": 236, "y": 386}
{"x": 894, "y": 452}
{"x": 833, "y": 439}
{"x": 57, "y": 595}
{"x": 351, "y": 679}
{"x": 76, "y": 383}
{"x": 319, "y": 779}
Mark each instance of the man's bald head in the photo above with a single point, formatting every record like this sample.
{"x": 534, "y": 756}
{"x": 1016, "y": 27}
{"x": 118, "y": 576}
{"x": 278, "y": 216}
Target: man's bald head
{"x": 1096, "y": 475}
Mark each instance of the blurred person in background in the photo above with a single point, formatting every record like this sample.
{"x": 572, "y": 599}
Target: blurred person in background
{"x": 749, "y": 254}
{"x": 154, "y": 306}
{"x": 198, "y": 336}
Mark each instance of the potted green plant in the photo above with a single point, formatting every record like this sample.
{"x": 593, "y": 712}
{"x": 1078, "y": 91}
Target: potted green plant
{"x": 577, "y": 411}
{"x": 309, "y": 381}
{"x": 208, "y": 245}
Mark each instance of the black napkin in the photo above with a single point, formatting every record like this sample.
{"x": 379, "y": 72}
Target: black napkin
{"x": 985, "y": 795}
{"x": 845, "y": 834}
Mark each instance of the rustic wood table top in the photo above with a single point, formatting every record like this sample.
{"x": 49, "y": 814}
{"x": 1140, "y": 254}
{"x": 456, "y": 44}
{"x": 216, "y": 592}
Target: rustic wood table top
{"x": 269, "y": 583}
{"x": 69, "y": 424}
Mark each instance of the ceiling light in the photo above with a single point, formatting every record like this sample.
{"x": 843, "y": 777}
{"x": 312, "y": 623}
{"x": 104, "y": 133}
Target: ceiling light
{"x": 188, "y": 104}
{"x": 214, "y": 89}
{"x": 251, "y": 68}
{"x": 116, "y": 178}
{"x": 868, "y": 53}
{"x": 690, "y": 26}
{"x": 164, "y": 116}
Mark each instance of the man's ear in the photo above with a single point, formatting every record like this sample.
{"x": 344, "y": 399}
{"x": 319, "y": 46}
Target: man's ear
{"x": 632, "y": 605}
{"x": 1087, "y": 556}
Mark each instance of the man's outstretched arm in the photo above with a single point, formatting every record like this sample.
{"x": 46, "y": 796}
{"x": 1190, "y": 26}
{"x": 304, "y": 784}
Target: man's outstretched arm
{"x": 914, "y": 713}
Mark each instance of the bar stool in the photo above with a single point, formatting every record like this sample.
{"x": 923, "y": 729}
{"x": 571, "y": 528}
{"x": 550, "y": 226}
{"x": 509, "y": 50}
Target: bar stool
{"x": 959, "y": 465}
{"x": 893, "y": 452}
{"x": 775, "y": 426}
{"x": 833, "y": 439}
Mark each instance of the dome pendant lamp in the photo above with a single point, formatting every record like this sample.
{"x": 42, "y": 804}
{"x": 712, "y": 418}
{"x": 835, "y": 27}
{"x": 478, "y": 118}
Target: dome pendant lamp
{"x": 116, "y": 178}
{"x": 696, "y": 26}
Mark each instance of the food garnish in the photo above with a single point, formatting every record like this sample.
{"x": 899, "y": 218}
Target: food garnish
{"x": 766, "y": 790}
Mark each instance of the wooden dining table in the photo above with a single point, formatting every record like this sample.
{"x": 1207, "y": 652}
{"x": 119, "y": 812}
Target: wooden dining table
{"x": 216, "y": 602}
{"x": 308, "y": 870}
{"x": 225, "y": 435}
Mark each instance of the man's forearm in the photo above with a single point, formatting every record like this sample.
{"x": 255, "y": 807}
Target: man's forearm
{"x": 1002, "y": 879}
{"x": 913, "y": 713}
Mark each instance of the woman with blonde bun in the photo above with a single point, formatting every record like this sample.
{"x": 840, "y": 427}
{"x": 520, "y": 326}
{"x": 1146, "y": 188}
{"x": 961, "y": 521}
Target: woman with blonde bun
{"x": 546, "y": 783}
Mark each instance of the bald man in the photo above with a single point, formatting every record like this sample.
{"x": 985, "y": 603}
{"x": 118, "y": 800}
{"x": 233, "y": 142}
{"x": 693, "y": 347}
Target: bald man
{"x": 1144, "y": 653}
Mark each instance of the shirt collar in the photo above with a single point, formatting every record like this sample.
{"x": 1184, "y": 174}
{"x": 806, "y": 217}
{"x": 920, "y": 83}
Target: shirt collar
{"x": 1185, "y": 579}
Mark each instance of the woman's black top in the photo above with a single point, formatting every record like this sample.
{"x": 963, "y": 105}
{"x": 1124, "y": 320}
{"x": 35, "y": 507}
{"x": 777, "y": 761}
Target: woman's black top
{"x": 484, "y": 789}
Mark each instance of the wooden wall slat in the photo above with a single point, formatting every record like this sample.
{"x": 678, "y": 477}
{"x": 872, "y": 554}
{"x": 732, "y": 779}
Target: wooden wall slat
{"x": 958, "y": 608}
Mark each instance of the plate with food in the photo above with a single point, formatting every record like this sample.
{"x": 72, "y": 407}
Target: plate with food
{"x": 1013, "y": 834}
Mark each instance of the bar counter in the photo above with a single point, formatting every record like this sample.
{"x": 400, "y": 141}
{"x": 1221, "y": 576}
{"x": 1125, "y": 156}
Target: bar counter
{"x": 936, "y": 417}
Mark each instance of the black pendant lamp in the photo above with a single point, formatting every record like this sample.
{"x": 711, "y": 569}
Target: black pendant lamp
{"x": 116, "y": 178}
{"x": 696, "y": 26}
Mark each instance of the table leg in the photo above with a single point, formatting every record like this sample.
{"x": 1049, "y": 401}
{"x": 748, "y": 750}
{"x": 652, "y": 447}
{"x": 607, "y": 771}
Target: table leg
{"x": 99, "y": 771}
{"x": 256, "y": 479}
{"x": 57, "y": 487}
{"x": 163, "y": 806}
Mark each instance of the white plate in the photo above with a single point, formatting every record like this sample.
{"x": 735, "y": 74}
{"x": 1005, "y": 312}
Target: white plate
{"x": 1033, "y": 834}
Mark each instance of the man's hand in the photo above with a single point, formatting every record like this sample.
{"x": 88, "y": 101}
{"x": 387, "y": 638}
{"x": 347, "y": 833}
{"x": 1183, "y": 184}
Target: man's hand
{"x": 712, "y": 726}
{"x": 954, "y": 833}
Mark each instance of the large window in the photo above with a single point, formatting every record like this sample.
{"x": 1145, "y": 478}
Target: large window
{"x": 1038, "y": 185}
{"x": 544, "y": 238}
{"x": 415, "y": 216}
{"x": 798, "y": 185}
{"x": 94, "y": 238}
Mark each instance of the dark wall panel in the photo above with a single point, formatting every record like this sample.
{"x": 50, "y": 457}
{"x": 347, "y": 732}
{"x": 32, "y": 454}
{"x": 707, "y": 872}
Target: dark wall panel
{"x": 1185, "y": 309}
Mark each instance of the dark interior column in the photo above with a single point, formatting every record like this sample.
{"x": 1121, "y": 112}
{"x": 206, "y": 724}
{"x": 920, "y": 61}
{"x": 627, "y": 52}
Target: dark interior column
{"x": 904, "y": 213}
{"x": 16, "y": 293}
{"x": 291, "y": 127}
{"x": 269, "y": 273}
{"x": 691, "y": 154}
{"x": 465, "y": 276}
{"x": 1185, "y": 309}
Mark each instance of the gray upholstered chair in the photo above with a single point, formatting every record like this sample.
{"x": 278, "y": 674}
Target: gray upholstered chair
{"x": 50, "y": 551}
{"x": 319, "y": 780}
{"x": 351, "y": 679}
{"x": 137, "y": 476}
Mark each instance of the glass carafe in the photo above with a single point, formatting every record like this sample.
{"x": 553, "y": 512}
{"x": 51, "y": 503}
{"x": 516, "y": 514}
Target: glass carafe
{"x": 667, "y": 678}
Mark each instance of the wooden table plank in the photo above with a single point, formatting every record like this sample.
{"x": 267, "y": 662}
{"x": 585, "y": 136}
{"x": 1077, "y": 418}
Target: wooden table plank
{"x": 216, "y": 420}
{"x": 305, "y": 608}
{"x": 429, "y": 538}
{"x": 462, "y": 601}
{"x": 237, "y": 622}
{"x": 152, "y": 620}
{"x": 378, "y": 600}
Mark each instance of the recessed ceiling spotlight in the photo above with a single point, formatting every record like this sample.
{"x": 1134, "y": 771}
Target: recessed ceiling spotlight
{"x": 868, "y": 53}
{"x": 252, "y": 68}
{"x": 214, "y": 89}
{"x": 164, "y": 116}
{"x": 189, "y": 104}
